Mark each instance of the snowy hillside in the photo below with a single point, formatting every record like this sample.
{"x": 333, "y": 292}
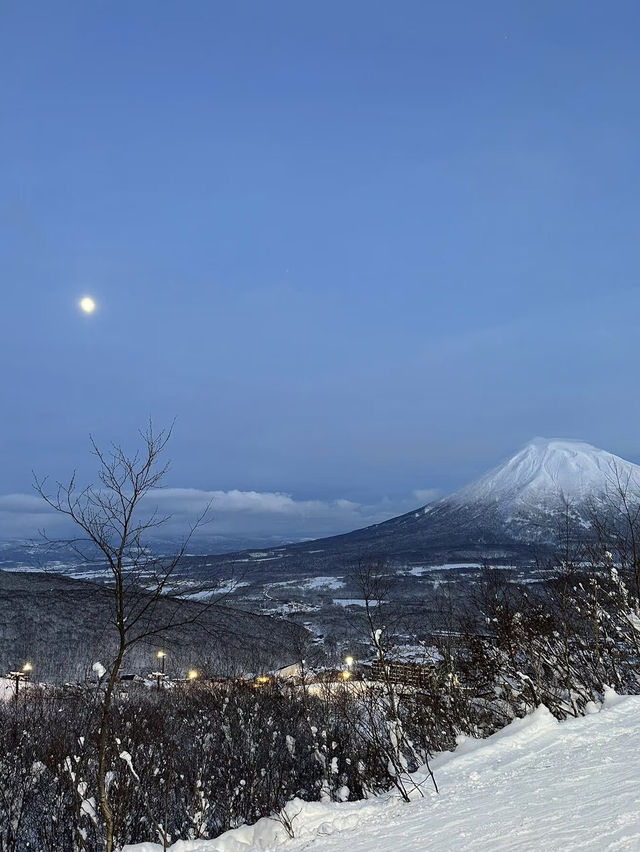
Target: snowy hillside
{"x": 546, "y": 469}
{"x": 537, "y": 784}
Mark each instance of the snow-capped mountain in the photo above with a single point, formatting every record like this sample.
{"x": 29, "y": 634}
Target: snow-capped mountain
{"x": 514, "y": 510}
{"x": 547, "y": 471}
{"x": 521, "y": 502}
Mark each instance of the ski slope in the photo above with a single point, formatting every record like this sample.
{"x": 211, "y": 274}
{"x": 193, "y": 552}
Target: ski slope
{"x": 535, "y": 785}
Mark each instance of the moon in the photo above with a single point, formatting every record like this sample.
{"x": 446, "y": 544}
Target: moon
{"x": 87, "y": 305}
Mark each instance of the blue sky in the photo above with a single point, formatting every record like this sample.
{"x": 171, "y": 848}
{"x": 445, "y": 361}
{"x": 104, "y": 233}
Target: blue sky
{"x": 358, "y": 249}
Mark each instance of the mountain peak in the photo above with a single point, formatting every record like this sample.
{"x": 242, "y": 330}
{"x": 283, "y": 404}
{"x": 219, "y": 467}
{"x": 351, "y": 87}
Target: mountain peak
{"x": 571, "y": 446}
{"x": 547, "y": 469}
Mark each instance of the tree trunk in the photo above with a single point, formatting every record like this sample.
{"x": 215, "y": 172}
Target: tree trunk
{"x": 103, "y": 735}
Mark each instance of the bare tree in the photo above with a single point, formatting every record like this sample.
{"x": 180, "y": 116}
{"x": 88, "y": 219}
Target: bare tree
{"x": 375, "y": 586}
{"x": 623, "y": 493}
{"x": 142, "y": 594}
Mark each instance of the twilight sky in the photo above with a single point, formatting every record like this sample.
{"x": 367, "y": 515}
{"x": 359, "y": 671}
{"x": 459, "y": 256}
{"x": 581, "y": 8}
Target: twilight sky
{"x": 358, "y": 249}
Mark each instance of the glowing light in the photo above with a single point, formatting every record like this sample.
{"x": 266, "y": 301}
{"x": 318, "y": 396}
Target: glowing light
{"x": 27, "y": 667}
{"x": 346, "y": 675}
{"x": 161, "y": 654}
{"x": 193, "y": 674}
{"x": 348, "y": 661}
{"x": 87, "y": 304}
{"x": 262, "y": 679}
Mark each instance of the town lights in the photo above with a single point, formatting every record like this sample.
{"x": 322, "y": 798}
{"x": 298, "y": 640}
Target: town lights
{"x": 346, "y": 675}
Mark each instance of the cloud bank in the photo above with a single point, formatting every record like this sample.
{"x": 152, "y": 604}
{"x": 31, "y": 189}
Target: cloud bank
{"x": 233, "y": 516}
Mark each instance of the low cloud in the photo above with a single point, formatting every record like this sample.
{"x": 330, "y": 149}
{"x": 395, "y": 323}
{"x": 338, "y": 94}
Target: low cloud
{"x": 426, "y": 495}
{"x": 232, "y": 516}
{"x": 254, "y": 502}
{"x": 25, "y": 516}
{"x": 22, "y": 504}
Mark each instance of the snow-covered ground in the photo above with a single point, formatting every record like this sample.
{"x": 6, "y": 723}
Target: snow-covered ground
{"x": 535, "y": 785}
{"x": 7, "y": 688}
{"x": 323, "y": 582}
{"x": 419, "y": 570}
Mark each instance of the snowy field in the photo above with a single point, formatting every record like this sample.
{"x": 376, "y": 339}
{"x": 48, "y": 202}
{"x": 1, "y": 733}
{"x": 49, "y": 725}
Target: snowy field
{"x": 7, "y": 689}
{"x": 535, "y": 785}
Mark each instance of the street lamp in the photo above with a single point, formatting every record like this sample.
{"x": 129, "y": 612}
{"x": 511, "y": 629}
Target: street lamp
{"x": 160, "y": 675}
{"x": 193, "y": 674}
{"x": 348, "y": 665}
{"x": 19, "y": 675}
